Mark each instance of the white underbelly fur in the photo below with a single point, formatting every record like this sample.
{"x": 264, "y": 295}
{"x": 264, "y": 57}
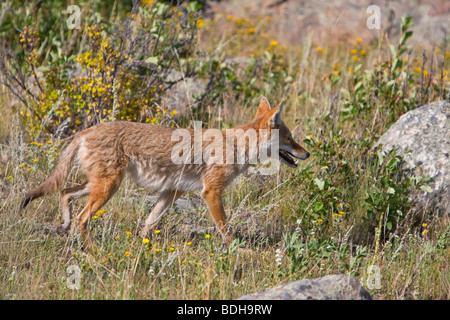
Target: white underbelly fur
{"x": 153, "y": 179}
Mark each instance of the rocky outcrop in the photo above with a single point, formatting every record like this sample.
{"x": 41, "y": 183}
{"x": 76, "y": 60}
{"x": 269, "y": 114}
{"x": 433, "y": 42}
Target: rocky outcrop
{"x": 422, "y": 138}
{"x": 331, "y": 287}
{"x": 181, "y": 97}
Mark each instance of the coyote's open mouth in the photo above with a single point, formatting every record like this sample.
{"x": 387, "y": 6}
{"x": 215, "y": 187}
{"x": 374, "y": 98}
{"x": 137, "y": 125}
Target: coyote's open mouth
{"x": 286, "y": 157}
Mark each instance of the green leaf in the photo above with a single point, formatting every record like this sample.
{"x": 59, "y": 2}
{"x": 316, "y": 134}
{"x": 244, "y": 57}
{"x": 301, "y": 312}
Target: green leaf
{"x": 194, "y": 6}
{"x": 319, "y": 183}
{"x": 390, "y": 84}
{"x": 405, "y": 37}
{"x": 380, "y": 155}
{"x": 402, "y": 51}
{"x": 394, "y": 52}
{"x": 318, "y": 206}
{"x": 428, "y": 189}
{"x": 397, "y": 63}
{"x": 389, "y": 225}
{"x": 336, "y": 78}
{"x": 153, "y": 60}
{"x": 406, "y": 23}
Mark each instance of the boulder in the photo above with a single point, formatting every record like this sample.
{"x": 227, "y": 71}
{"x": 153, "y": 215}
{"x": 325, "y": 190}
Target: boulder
{"x": 422, "y": 137}
{"x": 331, "y": 287}
{"x": 181, "y": 97}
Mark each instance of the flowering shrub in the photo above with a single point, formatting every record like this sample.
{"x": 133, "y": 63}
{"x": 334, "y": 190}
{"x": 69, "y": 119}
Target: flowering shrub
{"x": 119, "y": 71}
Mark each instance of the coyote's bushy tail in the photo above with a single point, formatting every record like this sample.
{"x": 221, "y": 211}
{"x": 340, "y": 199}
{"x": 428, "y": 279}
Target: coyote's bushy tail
{"x": 57, "y": 177}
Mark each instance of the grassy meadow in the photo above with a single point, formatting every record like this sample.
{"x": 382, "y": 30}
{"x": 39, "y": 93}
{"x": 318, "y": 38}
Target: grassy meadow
{"x": 347, "y": 209}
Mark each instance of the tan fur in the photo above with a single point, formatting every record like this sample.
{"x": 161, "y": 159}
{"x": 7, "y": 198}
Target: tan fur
{"x": 107, "y": 151}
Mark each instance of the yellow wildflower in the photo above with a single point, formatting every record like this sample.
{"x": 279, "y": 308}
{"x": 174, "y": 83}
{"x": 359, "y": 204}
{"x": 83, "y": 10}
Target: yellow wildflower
{"x": 320, "y": 50}
{"x": 200, "y": 23}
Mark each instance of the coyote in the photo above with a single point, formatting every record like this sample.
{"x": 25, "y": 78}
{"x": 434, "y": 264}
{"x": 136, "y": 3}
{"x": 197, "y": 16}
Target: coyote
{"x": 107, "y": 151}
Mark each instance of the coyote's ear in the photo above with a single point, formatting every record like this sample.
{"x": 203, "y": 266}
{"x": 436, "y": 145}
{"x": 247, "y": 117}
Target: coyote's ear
{"x": 263, "y": 107}
{"x": 276, "y": 117}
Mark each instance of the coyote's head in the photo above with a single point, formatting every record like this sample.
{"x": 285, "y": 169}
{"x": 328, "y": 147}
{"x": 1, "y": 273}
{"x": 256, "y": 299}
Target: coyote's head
{"x": 288, "y": 148}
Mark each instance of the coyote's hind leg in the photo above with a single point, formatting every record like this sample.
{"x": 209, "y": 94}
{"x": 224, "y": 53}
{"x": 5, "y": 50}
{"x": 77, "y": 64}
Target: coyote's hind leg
{"x": 68, "y": 196}
{"x": 101, "y": 191}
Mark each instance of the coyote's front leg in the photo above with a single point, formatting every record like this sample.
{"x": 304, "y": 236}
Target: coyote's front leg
{"x": 213, "y": 198}
{"x": 165, "y": 200}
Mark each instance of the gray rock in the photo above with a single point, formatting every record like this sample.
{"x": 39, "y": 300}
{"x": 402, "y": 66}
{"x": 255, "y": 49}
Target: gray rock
{"x": 181, "y": 96}
{"x": 425, "y": 132}
{"x": 238, "y": 64}
{"x": 331, "y": 287}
